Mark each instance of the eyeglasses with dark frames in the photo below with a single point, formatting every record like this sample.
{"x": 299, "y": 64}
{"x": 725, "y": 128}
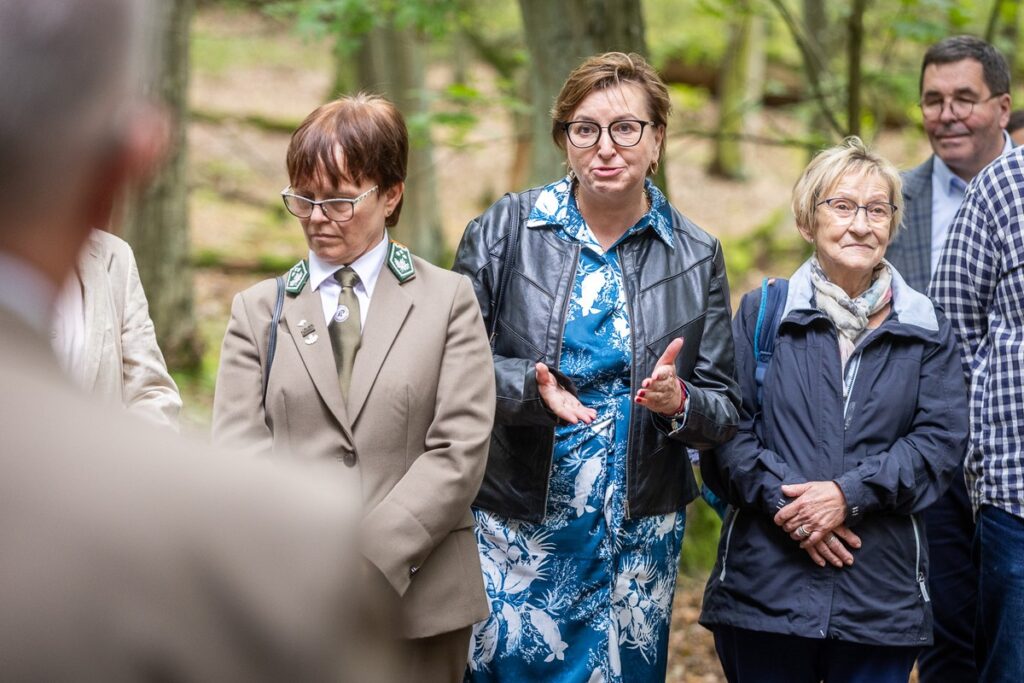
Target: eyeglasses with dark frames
{"x": 960, "y": 107}
{"x": 624, "y": 132}
{"x": 339, "y": 210}
{"x": 877, "y": 213}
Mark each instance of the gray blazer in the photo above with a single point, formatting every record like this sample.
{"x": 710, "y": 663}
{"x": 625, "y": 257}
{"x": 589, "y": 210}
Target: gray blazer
{"x": 910, "y": 253}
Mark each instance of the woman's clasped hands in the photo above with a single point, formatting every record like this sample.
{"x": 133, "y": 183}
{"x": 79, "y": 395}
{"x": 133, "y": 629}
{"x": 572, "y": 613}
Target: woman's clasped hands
{"x": 815, "y": 517}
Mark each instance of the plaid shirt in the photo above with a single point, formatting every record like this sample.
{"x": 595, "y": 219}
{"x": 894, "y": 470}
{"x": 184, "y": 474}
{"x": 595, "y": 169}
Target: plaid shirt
{"x": 980, "y": 285}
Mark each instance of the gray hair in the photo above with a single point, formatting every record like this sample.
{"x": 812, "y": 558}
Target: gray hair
{"x": 994, "y": 68}
{"x": 70, "y": 71}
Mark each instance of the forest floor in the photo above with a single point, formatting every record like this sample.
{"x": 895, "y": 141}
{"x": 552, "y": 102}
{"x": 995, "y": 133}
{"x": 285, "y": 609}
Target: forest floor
{"x": 254, "y": 78}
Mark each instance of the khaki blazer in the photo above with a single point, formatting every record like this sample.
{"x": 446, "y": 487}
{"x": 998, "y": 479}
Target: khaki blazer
{"x": 415, "y": 429}
{"x": 122, "y": 360}
{"x": 133, "y": 554}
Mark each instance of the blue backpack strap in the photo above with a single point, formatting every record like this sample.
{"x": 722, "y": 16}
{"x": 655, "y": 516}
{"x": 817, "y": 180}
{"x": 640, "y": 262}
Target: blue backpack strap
{"x": 769, "y": 316}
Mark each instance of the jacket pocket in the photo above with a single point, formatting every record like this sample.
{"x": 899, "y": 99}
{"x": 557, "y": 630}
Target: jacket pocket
{"x": 919, "y": 576}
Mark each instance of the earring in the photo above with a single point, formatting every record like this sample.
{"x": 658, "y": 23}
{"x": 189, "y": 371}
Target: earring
{"x": 572, "y": 173}
{"x": 654, "y": 168}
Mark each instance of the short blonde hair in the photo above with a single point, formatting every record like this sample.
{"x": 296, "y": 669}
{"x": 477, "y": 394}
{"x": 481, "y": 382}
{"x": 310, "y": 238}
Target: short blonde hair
{"x": 825, "y": 171}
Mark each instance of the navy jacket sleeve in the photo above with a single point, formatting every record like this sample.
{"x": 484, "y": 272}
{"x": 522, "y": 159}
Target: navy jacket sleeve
{"x": 743, "y": 472}
{"x": 917, "y": 469}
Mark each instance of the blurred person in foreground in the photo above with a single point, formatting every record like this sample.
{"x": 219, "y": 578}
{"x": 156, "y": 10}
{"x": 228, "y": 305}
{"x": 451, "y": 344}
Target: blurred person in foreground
{"x": 382, "y": 364}
{"x": 103, "y": 335}
{"x": 1015, "y": 127}
{"x": 613, "y": 354}
{"x": 129, "y": 554}
{"x": 822, "y": 569}
{"x": 965, "y": 103}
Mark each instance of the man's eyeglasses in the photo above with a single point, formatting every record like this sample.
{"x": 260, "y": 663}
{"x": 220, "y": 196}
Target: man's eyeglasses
{"x": 338, "y": 210}
{"x": 877, "y": 213}
{"x": 960, "y": 107}
{"x": 624, "y": 133}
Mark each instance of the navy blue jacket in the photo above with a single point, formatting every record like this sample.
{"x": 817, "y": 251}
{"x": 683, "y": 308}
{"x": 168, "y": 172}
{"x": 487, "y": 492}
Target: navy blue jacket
{"x": 893, "y": 453}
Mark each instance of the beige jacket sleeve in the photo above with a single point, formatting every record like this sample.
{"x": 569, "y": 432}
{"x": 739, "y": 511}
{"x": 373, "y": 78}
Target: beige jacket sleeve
{"x": 239, "y": 417}
{"x": 140, "y": 375}
{"x": 434, "y": 495}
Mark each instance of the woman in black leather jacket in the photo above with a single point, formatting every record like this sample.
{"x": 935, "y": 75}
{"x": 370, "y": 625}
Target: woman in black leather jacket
{"x": 613, "y": 354}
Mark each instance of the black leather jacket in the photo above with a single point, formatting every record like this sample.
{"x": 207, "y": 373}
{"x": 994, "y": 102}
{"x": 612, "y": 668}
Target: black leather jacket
{"x": 681, "y": 292}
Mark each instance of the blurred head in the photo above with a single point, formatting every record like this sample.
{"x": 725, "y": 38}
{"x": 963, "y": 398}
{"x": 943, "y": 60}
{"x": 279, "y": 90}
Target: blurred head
{"x": 965, "y": 102}
{"x": 610, "y": 118}
{"x": 848, "y": 204}
{"x": 1015, "y": 127}
{"x": 73, "y": 130}
{"x": 353, "y": 148}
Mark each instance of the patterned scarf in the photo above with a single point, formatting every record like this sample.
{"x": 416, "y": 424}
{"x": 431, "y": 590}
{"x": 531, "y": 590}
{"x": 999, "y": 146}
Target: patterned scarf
{"x": 850, "y": 315}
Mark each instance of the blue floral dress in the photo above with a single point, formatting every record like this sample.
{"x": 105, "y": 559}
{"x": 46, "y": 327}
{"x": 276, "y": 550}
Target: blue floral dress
{"x": 586, "y": 595}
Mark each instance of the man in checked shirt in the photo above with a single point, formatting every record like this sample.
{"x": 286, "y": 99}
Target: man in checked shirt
{"x": 979, "y": 282}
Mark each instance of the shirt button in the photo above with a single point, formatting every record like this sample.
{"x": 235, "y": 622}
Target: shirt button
{"x": 413, "y": 569}
{"x": 349, "y": 458}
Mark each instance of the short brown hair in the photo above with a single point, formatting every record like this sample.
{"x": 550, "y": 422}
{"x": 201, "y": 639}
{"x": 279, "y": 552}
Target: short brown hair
{"x": 830, "y": 166}
{"x": 605, "y": 71}
{"x": 370, "y": 132}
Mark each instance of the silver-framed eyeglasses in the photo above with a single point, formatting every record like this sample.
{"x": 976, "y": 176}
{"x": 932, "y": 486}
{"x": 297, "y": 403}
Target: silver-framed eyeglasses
{"x": 338, "y": 210}
{"x": 877, "y": 213}
{"x": 624, "y": 132}
{"x": 960, "y": 107}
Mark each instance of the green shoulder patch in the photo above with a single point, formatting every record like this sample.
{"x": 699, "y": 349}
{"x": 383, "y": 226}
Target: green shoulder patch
{"x": 296, "y": 278}
{"x": 400, "y": 261}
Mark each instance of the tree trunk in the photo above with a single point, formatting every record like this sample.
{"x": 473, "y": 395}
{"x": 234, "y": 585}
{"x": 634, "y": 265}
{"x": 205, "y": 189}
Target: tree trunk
{"x": 156, "y": 222}
{"x": 560, "y": 35}
{"x": 345, "y": 79}
{"x": 854, "y": 55}
{"x": 815, "y": 28}
{"x": 739, "y": 80}
{"x": 391, "y": 63}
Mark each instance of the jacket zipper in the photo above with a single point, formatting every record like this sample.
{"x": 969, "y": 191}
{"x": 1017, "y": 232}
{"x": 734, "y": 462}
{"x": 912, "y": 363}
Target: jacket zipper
{"x": 632, "y": 374}
{"x": 917, "y": 561}
{"x": 557, "y": 361}
{"x": 728, "y": 540}
{"x": 849, "y": 379}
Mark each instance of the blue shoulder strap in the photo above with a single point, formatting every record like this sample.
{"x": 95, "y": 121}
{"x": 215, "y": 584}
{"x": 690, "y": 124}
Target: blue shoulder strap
{"x": 769, "y": 316}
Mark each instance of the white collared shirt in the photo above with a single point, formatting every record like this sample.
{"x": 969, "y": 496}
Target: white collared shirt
{"x": 947, "y": 194}
{"x": 26, "y": 292}
{"x": 67, "y": 334}
{"x": 367, "y": 267}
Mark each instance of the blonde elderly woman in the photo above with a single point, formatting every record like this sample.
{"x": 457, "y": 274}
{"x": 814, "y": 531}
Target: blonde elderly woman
{"x": 822, "y": 573}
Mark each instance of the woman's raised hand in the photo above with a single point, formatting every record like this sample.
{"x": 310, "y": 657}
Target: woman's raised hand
{"x": 663, "y": 391}
{"x": 559, "y": 401}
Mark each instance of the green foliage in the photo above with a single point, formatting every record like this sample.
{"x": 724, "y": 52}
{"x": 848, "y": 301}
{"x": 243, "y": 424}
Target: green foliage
{"x": 214, "y": 55}
{"x": 356, "y": 18}
{"x": 703, "y": 528}
{"x": 766, "y": 250}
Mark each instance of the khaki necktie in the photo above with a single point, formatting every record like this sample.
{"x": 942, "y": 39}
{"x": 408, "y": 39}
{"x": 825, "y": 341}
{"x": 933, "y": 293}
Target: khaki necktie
{"x": 345, "y": 328}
